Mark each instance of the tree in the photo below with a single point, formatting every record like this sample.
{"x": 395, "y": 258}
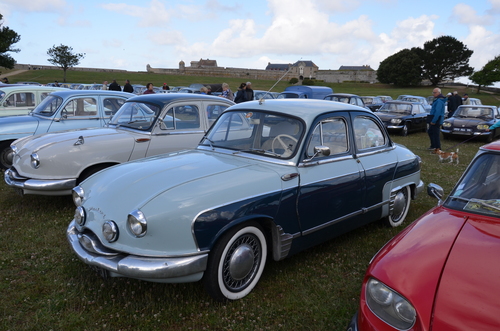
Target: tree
{"x": 488, "y": 75}
{"x": 402, "y": 69}
{"x": 8, "y": 38}
{"x": 445, "y": 58}
{"x": 63, "y": 56}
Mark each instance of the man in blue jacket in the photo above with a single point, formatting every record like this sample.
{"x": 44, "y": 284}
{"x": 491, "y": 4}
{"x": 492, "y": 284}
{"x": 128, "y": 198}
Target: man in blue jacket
{"x": 436, "y": 118}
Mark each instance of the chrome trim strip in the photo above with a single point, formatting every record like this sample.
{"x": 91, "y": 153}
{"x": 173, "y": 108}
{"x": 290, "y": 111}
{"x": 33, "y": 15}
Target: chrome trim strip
{"x": 288, "y": 162}
{"x": 139, "y": 267}
{"x": 303, "y": 164}
{"x": 356, "y": 213}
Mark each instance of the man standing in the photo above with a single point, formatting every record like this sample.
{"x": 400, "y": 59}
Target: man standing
{"x": 128, "y": 87}
{"x": 114, "y": 86}
{"x": 436, "y": 118}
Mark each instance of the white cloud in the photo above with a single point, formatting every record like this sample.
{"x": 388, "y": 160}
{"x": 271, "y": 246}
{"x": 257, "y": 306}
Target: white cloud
{"x": 155, "y": 15}
{"x": 466, "y": 15}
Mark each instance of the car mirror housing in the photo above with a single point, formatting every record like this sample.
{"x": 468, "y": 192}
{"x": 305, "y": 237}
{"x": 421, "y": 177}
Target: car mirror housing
{"x": 435, "y": 191}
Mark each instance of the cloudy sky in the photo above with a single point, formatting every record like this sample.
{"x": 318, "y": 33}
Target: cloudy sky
{"x": 246, "y": 34}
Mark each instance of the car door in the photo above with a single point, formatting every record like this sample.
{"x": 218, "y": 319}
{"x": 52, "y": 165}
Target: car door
{"x": 181, "y": 126}
{"x": 78, "y": 112}
{"x": 419, "y": 120}
{"x": 18, "y": 103}
{"x": 331, "y": 187}
{"x": 374, "y": 153}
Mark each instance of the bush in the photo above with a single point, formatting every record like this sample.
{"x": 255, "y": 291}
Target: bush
{"x": 308, "y": 81}
{"x": 293, "y": 80}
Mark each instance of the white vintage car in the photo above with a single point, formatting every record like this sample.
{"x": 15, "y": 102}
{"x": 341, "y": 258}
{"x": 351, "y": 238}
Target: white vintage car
{"x": 271, "y": 178}
{"x": 23, "y": 98}
{"x": 146, "y": 125}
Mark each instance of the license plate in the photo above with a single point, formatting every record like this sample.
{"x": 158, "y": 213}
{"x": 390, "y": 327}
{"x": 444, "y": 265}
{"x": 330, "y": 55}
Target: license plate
{"x": 462, "y": 129}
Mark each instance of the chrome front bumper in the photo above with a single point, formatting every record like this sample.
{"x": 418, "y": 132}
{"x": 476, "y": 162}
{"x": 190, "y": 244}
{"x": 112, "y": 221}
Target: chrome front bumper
{"x": 38, "y": 186}
{"x": 156, "y": 269}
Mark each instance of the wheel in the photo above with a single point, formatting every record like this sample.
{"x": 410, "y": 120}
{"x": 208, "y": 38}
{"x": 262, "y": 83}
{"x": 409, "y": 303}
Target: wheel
{"x": 288, "y": 149}
{"x": 5, "y": 155}
{"x": 404, "y": 130}
{"x": 400, "y": 203}
{"x": 236, "y": 263}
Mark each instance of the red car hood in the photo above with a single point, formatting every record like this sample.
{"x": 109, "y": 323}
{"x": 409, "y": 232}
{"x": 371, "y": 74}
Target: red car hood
{"x": 468, "y": 295}
{"x": 447, "y": 265}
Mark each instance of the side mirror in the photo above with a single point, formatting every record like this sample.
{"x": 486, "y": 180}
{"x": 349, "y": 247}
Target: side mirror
{"x": 435, "y": 191}
{"x": 319, "y": 150}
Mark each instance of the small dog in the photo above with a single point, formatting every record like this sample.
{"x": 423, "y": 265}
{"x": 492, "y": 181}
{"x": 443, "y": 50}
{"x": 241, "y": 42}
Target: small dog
{"x": 443, "y": 156}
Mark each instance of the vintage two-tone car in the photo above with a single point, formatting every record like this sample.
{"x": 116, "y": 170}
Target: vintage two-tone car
{"x": 20, "y": 99}
{"x": 146, "y": 125}
{"x": 442, "y": 272}
{"x": 270, "y": 178}
{"x": 64, "y": 109}
{"x": 403, "y": 117}
{"x": 472, "y": 121}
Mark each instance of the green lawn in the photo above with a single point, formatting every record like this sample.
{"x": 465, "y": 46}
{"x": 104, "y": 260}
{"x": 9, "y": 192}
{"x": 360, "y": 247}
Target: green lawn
{"x": 43, "y": 285}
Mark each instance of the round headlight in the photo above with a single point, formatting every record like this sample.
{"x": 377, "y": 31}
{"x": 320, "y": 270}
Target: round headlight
{"x": 110, "y": 231}
{"x": 390, "y": 306}
{"x": 446, "y": 125}
{"x": 483, "y": 127}
{"x": 78, "y": 195}
{"x": 35, "y": 161}
{"x": 137, "y": 223}
{"x": 80, "y": 215}
{"x": 396, "y": 121}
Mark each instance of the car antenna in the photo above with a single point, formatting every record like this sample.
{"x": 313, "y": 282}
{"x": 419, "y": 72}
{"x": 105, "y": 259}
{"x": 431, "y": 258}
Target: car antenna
{"x": 261, "y": 100}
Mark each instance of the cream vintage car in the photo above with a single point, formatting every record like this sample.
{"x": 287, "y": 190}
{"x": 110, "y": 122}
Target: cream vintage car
{"x": 21, "y": 99}
{"x": 145, "y": 125}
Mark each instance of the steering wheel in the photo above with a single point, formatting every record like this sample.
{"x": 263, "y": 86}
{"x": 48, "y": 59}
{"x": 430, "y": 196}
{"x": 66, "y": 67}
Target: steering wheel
{"x": 282, "y": 144}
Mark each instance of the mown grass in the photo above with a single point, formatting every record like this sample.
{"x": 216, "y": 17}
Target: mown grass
{"x": 43, "y": 286}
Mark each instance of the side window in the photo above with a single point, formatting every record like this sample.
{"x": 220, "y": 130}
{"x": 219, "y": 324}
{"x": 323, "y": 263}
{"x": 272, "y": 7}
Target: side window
{"x": 213, "y": 111}
{"x": 22, "y": 99}
{"x": 367, "y": 133}
{"x": 185, "y": 117}
{"x": 111, "y": 105}
{"x": 80, "y": 107}
{"x": 330, "y": 132}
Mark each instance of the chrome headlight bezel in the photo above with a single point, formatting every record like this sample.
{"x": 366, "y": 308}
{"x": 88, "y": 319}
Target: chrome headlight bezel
{"x": 110, "y": 231}
{"x": 14, "y": 150}
{"x": 35, "y": 161}
{"x": 137, "y": 224}
{"x": 78, "y": 195}
{"x": 80, "y": 216}
{"x": 389, "y": 305}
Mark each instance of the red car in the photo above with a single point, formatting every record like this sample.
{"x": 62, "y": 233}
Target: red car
{"x": 443, "y": 271}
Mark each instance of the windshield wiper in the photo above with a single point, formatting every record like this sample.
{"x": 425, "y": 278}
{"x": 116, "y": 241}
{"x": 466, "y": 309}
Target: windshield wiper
{"x": 258, "y": 150}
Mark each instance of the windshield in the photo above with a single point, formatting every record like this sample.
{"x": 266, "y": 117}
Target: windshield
{"x": 474, "y": 112}
{"x": 478, "y": 191}
{"x": 256, "y": 132}
{"x": 48, "y": 106}
{"x": 396, "y": 108}
{"x": 136, "y": 115}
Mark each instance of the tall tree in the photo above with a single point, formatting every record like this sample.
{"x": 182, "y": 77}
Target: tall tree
{"x": 445, "y": 58}
{"x": 488, "y": 75}
{"x": 402, "y": 69}
{"x": 8, "y": 38}
{"x": 64, "y": 57}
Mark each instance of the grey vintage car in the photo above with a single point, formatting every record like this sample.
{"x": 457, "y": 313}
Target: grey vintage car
{"x": 53, "y": 163}
{"x": 270, "y": 179}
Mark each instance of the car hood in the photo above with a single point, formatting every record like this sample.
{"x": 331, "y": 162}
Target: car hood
{"x": 26, "y": 124}
{"x": 39, "y": 142}
{"x": 467, "y": 298}
{"x": 188, "y": 173}
{"x": 387, "y": 117}
{"x": 467, "y": 122}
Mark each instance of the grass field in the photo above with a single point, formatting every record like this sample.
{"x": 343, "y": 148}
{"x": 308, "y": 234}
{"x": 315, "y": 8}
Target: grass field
{"x": 43, "y": 285}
